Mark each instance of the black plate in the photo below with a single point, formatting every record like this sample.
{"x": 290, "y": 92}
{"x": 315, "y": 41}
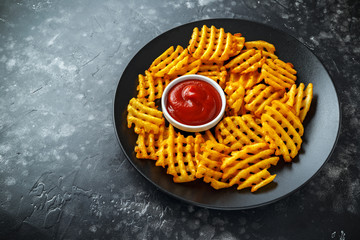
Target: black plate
{"x": 321, "y": 124}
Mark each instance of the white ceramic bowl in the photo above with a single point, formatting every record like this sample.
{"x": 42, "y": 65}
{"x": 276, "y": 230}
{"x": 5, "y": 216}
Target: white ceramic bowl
{"x": 193, "y": 128}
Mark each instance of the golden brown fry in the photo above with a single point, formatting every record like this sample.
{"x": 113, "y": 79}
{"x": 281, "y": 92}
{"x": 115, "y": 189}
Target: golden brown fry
{"x": 145, "y": 118}
{"x": 284, "y": 128}
{"x": 278, "y": 74}
{"x": 238, "y": 131}
{"x": 248, "y": 167}
{"x": 260, "y": 96}
{"x": 212, "y": 44}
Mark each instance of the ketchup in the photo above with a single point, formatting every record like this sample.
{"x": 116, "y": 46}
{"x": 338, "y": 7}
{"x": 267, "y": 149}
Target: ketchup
{"x": 193, "y": 102}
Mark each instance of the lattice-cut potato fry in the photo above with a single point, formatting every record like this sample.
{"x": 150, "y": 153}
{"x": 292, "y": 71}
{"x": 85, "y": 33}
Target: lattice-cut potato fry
{"x": 215, "y": 71}
{"x": 169, "y": 59}
{"x": 177, "y": 153}
{"x": 209, "y": 136}
{"x": 289, "y": 96}
{"x": 284, "y": 128}
{"x": 260, "y": 45}
{"x": 148, "y": 144}
{"x": 238, "y": 44}
{"x": 278, "y": 74}
{"x": 235, "y": 93}
{"x": 198, "y": 142}
{"x": 166, "y": 136}
{"x": 182, "y": 166}
{"x": 212, "y": 44}
{"x": 257, "y": 180}
{"x": 210, "y": 160}
{"x": 151, "y": 87}
{"x": 246, "y": 62}
{"x": 191, "y": 67}
{"x": 245, "y": 167}
{"x": 267, "y": 49}
{"x": 260, "y": 96}
{"x": 237, "y": 131}
{"x": 144, "y": 117}
{"x": 247, "y": 80}
{"x": 300, "y": 99}
{"x": 302, "y": 106}
{"x": 248, "y": 152}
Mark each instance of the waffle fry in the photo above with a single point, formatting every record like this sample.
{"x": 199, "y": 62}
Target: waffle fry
{"x": 260, "y": 45}
{"x": 237, "y": 131}
{"x": 260, "y": 96}
{"x": 235, "y": 95}
{"x": 278, "y": 74}
{"x": 246, "y": 80}
{"x": 208, "y": 136}
{"x": 210, "y": 160}
{"x": 238, "y": 45}
{"x": 147, "y": 145}
{"x": 145, "y": 118}
{"x": 213, "y": 44}
{"x": 289, "y": 96}
{"x": 168, "y": 60}
{"x": 284, "y": 128}
{"x": 246, "y": 62}
{"x": 150, "y": 87}
{"x": 263, "y": 119}
{"x": 191, "y": 67}
{"x": 178, "y": 153}
{"x": 215, "y": 71}
{"x": 248, "y": 167}
{"x": 266, "y": 48}
{"x": 303, "y": 106}
{"x": 300, "y": 99}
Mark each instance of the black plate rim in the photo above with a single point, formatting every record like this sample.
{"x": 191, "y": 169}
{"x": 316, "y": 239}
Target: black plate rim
{"x": 208, "y": 206}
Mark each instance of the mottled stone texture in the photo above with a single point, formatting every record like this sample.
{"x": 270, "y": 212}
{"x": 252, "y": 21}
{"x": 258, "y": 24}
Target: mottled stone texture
{"x": 62, "y": 172}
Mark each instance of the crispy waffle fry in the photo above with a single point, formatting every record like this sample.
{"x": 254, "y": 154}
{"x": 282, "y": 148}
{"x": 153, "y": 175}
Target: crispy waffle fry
{"x": 213, "y": 44}
{"x": 191, "y": 67}
{"x": 246, "y": 62}
{"x": 209, "y": 136}
{"x": 145, "y": 118}
{"x": 151, "y": 87}
{"x": 147, "y": 145}
{"x": 169, "y": 59}
{"x": 260, "y": 96}
{"x": 284, "y": 128}
{"x": 238, "y": 44}
{"x": 235, "y": 96}
{"x": 266, "y": 48}
{"x": 257, "y": 180}
{"x": 210, "y": 160}
{"x": 215, "y": 71}
{"x": 178, "y": 154}
{"x": 302, "y": 106}
{"x": 246, "y": 167}
{"x": 247, "y": 80}
{"x": 278, "y": 74}
{"x": 237, "y": 131}
{"x": 260, "y": 45}
{"x": 300, "y": 99}
{"x": 289, "y": 96}
{"x": 165, "y": 134}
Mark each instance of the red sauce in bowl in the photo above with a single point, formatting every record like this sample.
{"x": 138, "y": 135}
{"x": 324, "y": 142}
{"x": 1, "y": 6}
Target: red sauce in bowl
{"x": 193, "y": 102}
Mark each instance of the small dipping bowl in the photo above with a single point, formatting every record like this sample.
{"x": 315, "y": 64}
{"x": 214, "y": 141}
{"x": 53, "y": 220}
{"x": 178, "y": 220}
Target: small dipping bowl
{"x": 193, "y": 128}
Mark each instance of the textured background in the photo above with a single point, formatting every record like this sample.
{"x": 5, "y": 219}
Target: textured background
{"x": 62, "y": 172}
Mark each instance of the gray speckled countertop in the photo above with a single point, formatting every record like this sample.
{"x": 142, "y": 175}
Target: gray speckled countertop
{"x": 63, "y": 174}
